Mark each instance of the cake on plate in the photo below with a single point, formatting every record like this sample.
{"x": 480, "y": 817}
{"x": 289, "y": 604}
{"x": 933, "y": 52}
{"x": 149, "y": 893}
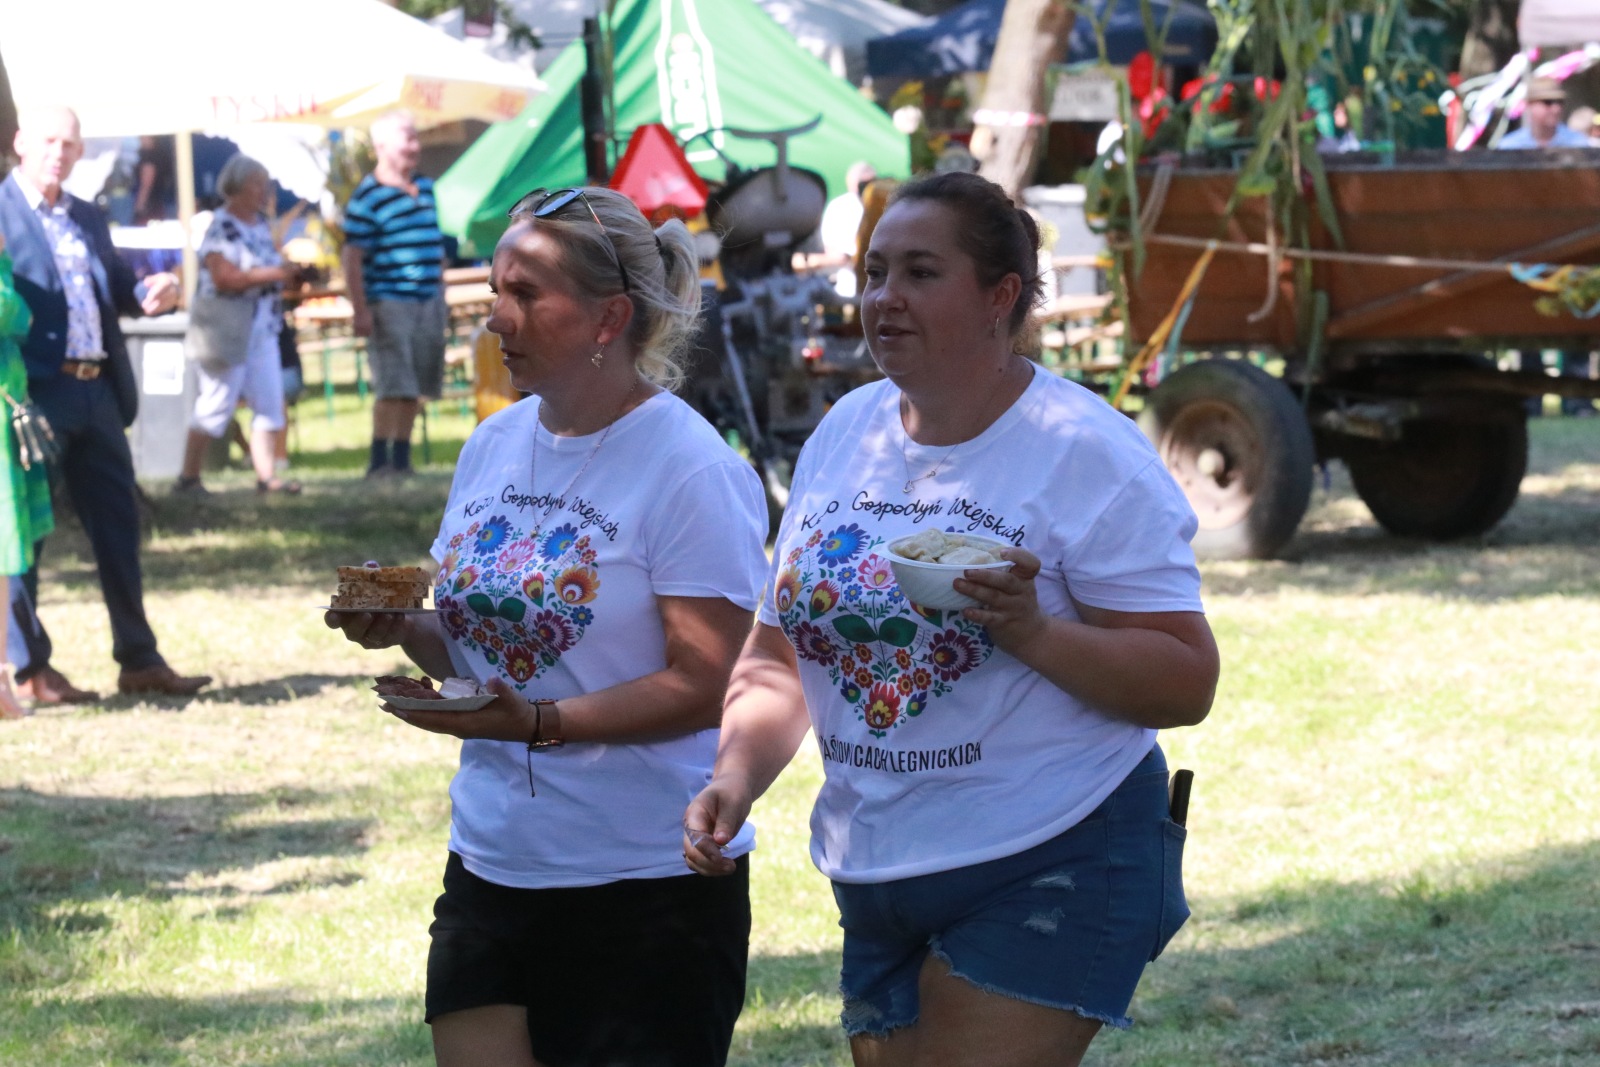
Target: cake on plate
{"x": 370, "y": 587}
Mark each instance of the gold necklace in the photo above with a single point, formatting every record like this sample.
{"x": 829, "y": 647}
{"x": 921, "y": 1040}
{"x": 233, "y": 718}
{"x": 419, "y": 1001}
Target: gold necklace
{"x": 533, "y": 463}
{"x": 905, "y": 456}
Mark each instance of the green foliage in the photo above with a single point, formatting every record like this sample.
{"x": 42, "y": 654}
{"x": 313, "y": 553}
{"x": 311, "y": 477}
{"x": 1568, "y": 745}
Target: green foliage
{"x": 427, "y": 9}
{"x": 1253, "y": 113}
{"x": 517, "y": 31}
{"x": 1576, "y": 292}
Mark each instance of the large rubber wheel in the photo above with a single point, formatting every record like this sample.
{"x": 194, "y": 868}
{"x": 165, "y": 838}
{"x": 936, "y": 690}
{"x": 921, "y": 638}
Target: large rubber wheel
{"x": 1444, "y": 479}
{"x": 1235, "y": 439}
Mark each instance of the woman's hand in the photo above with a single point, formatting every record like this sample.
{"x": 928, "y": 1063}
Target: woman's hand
{"x": 509, "y": 717}
{"x": 1010, "y": 600}
{"x": 712, "y": 819}
{"x": 762, "y": 725}
{"x": 370, "y": 630}
{"x": 418, "y": 636}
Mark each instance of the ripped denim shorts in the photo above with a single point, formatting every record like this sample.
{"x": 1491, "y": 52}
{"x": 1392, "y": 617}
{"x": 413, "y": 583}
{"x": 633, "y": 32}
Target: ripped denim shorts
{"x": 1068, "y": 924}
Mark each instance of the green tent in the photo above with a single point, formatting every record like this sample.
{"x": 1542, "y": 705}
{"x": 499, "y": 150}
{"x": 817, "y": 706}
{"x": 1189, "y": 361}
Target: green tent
{"x": 692, "y": 64}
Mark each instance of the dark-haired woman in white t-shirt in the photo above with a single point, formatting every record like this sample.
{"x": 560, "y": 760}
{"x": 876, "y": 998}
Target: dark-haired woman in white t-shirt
{"x": 599, "y": 559}
{"x": 994, "y": 809}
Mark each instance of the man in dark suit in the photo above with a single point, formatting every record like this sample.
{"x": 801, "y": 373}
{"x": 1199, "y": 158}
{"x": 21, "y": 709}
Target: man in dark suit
{"x": 80, "y": 376}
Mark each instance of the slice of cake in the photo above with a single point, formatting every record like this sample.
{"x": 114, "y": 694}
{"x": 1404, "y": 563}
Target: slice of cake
{"x": 372, "y": 586}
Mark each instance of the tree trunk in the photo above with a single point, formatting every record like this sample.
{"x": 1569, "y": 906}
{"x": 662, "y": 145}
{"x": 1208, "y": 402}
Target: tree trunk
{"x": 8, "y": 121}
{"x": 1033, "y": 35}
{"x": 1491, "y": 37}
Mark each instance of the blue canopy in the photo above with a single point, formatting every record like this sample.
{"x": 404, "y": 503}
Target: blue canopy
{"x": 962, "y": 39}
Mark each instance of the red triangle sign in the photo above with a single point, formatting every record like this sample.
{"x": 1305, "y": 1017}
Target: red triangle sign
{"x": 654, "y": 173}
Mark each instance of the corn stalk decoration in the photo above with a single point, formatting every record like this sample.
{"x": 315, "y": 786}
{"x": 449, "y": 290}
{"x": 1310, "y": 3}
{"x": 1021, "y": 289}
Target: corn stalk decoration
{"x": 1253, "y": 113}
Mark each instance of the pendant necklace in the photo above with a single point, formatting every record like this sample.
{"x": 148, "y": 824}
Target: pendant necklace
{"x": 533, "y": 465}
{"x": 905, "y": 456}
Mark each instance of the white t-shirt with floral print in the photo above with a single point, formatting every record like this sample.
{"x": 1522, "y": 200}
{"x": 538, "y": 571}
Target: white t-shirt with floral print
{"x": 566, "y": 604}
{"x": 941, "y": 750}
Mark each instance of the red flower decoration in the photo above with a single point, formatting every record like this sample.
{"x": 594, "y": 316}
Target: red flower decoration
{"x": 883, "y": 707}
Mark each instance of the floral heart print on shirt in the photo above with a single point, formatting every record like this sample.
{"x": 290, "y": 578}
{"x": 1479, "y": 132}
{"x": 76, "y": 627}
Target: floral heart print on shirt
{"x": 521, "y": 599}
{"x": 838, "y": 603}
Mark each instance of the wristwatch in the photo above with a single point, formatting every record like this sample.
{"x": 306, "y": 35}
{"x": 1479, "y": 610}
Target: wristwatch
{"x": 546, "y": 726}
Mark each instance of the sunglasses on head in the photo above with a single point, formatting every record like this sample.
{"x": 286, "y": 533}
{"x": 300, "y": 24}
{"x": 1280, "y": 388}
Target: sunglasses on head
{"x": 544, "y": 203}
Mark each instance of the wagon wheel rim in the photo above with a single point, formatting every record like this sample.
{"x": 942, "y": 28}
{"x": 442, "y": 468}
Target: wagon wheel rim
{"x": 1217, "y": 458}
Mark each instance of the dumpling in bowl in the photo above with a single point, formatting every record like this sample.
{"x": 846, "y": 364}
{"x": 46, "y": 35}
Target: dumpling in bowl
{"x": 925, "y": 546}
{"x": 969, "y": 556}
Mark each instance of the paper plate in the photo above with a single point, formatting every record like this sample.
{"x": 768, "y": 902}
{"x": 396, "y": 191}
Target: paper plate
{"x": 472, "y": 703}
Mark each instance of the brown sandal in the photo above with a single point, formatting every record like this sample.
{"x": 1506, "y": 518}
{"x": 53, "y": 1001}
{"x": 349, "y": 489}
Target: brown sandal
{"x": 278, "y": 486}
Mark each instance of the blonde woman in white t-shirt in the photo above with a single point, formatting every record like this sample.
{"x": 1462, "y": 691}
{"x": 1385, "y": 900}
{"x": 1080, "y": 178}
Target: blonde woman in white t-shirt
{"x": 994, "y": 811}
{"x": 599, "y": 559}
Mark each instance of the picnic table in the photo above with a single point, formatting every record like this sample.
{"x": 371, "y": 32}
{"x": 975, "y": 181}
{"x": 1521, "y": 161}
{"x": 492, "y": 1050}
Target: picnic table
{"x": 324, "y": 314}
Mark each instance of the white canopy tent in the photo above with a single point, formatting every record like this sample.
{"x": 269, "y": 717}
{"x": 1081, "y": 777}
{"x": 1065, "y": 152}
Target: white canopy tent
{"x": 166, "y": 66}
{"x": 837, "y": 31}
{"x": 179, "y": 66}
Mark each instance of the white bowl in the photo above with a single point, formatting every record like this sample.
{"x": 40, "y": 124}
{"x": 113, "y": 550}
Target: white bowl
{"x": 930, "y": 585}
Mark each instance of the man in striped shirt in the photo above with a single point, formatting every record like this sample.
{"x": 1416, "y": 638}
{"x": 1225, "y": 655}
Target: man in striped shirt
{"x": 394, "y": 269}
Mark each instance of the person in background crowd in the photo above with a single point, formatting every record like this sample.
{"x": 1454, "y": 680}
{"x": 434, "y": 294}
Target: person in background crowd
{"x": 394, "y": 277}
{"x": 156, "y": 195}
{"x": 841, "y": 220}
{"x": 1584, "y": 120}
{"x": 80, "y": 376}
{"x": 1342, "y": 138}
{"x": 239, "y": 256}
{"x": 620, "y": 542}
{"x": 994, "y": 813}
{"x": 1542, "y": 127}
{"x": 294, "y": 384}
{"x": 25, "y": 515}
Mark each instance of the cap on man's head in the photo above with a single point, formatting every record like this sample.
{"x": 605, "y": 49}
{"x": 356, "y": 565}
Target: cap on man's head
{"x": 1546, "y": 89}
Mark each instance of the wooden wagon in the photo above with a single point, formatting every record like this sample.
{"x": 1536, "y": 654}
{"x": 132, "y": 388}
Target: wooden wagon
{"x": 1387, "y": 341}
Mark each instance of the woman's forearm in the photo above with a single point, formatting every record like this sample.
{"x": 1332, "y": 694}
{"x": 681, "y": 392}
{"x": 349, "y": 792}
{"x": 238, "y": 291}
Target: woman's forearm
{"x": 703, "y": 636}
{"x": 229, "y": 278}
{"x": 653, "y": 707}
{"x": 425, "y": 645}
{"x": 1158, "y": 671}
{"x": 764, "y": 719}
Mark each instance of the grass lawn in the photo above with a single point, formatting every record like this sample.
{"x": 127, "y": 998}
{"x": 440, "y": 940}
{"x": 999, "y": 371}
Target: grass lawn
{"x": 1395, "y": 830}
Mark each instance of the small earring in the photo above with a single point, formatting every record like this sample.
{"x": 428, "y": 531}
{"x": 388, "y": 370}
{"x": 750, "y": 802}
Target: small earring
{"x": 597, "y": 357}
{"x": 994, "y": 330}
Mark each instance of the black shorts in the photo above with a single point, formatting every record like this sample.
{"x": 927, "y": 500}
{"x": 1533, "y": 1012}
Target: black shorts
{"x": 642, "y": 973}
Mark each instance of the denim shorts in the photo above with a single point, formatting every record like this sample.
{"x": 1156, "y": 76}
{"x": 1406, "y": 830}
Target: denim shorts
{"x": 1067, "y": 924}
